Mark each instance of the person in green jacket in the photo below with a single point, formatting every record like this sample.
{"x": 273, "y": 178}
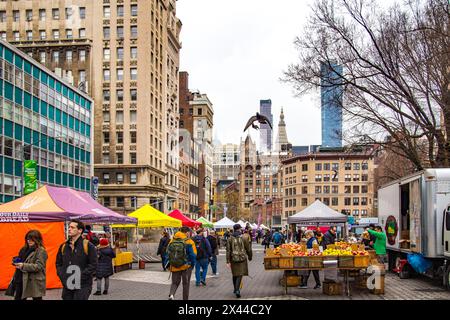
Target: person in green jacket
{"x": 380, "y": 243}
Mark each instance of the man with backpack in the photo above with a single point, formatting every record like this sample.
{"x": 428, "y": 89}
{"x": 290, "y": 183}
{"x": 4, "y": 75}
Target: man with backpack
{"x": 76, "y": 263}
{"x": 238, "y": 251}
{"x": 204, "y": 254}
{"x": 214, "y": 242}
{"x": 182, "y": 258}
{"x": 277, "y": 239}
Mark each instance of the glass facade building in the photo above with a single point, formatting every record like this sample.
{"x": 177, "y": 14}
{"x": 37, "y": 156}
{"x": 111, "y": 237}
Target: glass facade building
{"x": 42, "y": 118}
{"x": 331, "y": 104}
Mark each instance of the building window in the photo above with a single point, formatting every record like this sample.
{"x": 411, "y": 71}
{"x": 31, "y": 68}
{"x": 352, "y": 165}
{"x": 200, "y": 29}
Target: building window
{"x": 133, "y": 116}
{"x": 120, "y": 202}
{"x": 365, "y": 177}
{"x": 42, "y": 34}
{"x": 120, "y": 32}
{"x": 42, "y": 57}
{"x": 326, "y": 189}
{"x": 3, "y": 35}
{"x": 356, "y": 201}
{"x": 119, "y": 117}
{"x": 106, "y": 12}
{"x": 134, "y": 10}
{"x": 348, "y": 166}
{"x": 106, "y": 117}
{"x": 134, "y": 31}
{"x": 119, "y": 137}
{"x": 364, "y": 201}
{"x": 106, "y": 75}
{"x": 347, "y": 201}
{"x": 82, "y": 55}
{"x": 356, "y": 212}
{"x": 106, "y": 54}
{"x": 105, "y": 137}
{"x": 16, "y": 35}
{"x": 119, "y": 94}
{"x": 29, "y": 35}
{"x": 304, "y": 202}
{"x": 105, "y": 158}
{"x": 69, "y": 34}
{"x": 133, "y": 73}
{"x": 304, "y": 167}
{"x": 133, "y": 52}
{"x": 326, "y": 167}
{"x": 106, "y": 201}
{"x": 318, "y": 178}
{"x": 2, "y": 16}
{"x": 347, "y": 189}
{"x": 348, "y": 177}
{"x": 304, "y": 178}
{"x": 335, "y": 189}
{"x": 318, "y": 167}
{"x": 355, "y": 189}
{"x": 133, "y": 95}
{"x": 365, "y": 166}
{"x": 334, "y": 201}
{"x": 356, "y": 177}
{"x": 335, "y": 166}
{"x": 16, "y": 15}
{"x": 68, "y": 13}
{"x": 318, "y": 189}
{"x": 120, "y": 53}
{"x": 120, "y": 11}
{"x": 133, "y": 159}
{"x": 106, "y": 178}
{"x": 82, "y": 13}
{"x": 133, "y": 137}
{"x": 326, "y": 201}
{"x": 82, "y": 33}
{"x": 56, "y": 56}
{"x": 119, "y": 158}
{"x": 119, "y": 74}
{"x": 106, "y": 95}
{"x": 133, "y": 177}
{"x": 305, "y": 190}
{"x": 106, "y": 32}
{"x": 326, "y": 177}
{"x": 42, "y": 14}
{"x": 364, "y": 189}
{"x": 29, "y": 15}
{"x": 55, "y": 34}
{"x": 356, "y": 166}
{"x": 363, "y": 212}
{"x": 55, "y": 14}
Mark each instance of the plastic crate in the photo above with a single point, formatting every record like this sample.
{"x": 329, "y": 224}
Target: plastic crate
{"x": 346, "y": 262}
{"x": 301, "y": 262}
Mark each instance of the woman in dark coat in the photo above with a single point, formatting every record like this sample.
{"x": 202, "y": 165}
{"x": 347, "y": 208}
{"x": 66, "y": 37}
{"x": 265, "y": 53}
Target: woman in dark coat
{"x": 104, "y": 265}
{"x": 162, "y": 249}
{"x": 29, "y": 278}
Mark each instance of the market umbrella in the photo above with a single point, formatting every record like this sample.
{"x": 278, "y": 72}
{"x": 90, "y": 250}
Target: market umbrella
{"x": 186, "y": 221}
{"x": 205, "y": 223}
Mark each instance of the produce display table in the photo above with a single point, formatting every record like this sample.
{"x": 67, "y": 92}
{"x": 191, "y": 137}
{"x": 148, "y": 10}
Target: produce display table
{"x": 123, "y": 260}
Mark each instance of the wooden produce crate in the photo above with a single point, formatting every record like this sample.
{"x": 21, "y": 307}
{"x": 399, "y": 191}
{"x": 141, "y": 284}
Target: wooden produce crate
{"x": 315, "y": 262}
{"x": 361, "y": 261}
{"x": 330, "y": 258}
{"x": 271, "y": 262}
{"x": 301, "y": 262}
{"x": 286, "y": 262}
{"x": 332, "y": 288}
{"x": 346, "y": 262}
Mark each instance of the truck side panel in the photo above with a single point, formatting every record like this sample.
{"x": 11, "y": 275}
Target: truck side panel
{"x": 389, "y": 205}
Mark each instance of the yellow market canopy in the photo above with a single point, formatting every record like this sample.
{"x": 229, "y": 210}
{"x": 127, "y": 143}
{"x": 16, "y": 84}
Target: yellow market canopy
{"x": 149, "y": 217}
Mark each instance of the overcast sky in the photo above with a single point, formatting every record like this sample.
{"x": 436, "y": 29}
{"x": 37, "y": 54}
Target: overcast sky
{"x": 235, "y": 51}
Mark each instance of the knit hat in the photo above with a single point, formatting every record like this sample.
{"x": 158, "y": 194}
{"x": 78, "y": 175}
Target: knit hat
{"x": 104, "y": 242}
{"x": 237, "y": 226}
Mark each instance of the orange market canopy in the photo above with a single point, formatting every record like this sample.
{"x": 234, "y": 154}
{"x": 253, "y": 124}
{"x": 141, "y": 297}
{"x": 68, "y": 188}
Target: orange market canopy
{"x": 149, "y": 217}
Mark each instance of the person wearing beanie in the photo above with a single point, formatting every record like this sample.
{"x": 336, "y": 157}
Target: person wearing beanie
{"x": 104, "y": 266}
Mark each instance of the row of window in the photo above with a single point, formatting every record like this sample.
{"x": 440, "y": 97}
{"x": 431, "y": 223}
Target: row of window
{"x": 259, "y": 190}
{"x": 132, "y": 178}
{"x": 120, "y": 32}
{"x": 43, "y": 14}
{"x": 119, "y": 137}
{"x": 289, "y": 203}
{"x": 120, "y": 53}
{"x": 120, "y": 11}
{"x": 119, "y": 74}
{"x": 331, "y": 167}
{"x": 106, "y": 158}
{"x": 43, "y": 34}
{"x": 119, "y": 95}
{"x": 335, "y": 189}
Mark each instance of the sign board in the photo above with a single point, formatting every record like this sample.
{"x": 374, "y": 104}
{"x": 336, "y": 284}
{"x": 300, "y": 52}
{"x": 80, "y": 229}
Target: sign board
{"x": 30, "y": 177}
{"x": 94, "y": 188}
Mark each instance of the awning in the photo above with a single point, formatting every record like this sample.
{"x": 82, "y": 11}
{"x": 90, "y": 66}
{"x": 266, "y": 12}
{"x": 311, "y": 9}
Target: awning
{"x": 149, "y": 217}
{"x": 317, "y": 213}
{"x": 185, "y": 221}
{"x": 49, "y": 204}
{"x": 205, "y": 223}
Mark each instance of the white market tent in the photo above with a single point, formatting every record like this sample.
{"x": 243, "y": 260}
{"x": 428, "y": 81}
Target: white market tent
{"x": 261, "y": 226}
{"x": 254, "y": 226}
{"x": 317, "y": 213}
{"x": 242, "y": 223}
{"x": 224, "y": 223}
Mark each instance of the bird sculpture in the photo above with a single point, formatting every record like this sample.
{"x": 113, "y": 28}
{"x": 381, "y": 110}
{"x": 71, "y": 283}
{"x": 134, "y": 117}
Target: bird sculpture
{"x": 259, "y": 118}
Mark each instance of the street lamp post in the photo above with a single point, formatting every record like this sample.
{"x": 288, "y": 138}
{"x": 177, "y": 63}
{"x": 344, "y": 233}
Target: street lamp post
{"x": 207, "y": 178}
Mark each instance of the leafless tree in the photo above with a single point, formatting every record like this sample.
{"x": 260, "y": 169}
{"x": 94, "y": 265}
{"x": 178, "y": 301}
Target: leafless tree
{"x": 395, "y": 72}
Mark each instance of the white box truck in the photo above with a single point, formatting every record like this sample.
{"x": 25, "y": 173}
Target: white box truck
{"x": 414, "y": 211}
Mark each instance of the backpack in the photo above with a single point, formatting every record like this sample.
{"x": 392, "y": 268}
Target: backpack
{"x": 200, "y": 245}
{"x": 177, "y": 253}
{"x": 85, "y": 247}
{"x": 277, "y": 238}
{"x": 237, "y": 250}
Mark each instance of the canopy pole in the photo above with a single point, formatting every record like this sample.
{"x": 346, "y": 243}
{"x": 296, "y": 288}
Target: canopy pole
{"x": 137, "y": 245}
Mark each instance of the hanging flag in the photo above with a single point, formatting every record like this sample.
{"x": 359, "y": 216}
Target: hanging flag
{"x": 30, "y": 176}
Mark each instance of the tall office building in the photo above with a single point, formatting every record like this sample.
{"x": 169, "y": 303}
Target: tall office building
{"x": 42, "y": 118}
{"x": 265, "y": 108}
{"x": 331, "y": 104}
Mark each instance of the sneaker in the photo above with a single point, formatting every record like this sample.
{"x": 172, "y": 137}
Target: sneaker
{"x": 197, "y": 284}
{"x": 303, "y": 287}
{"x": 203, "y": 283}
{"x": 98, "y": 293}
{"x": 318, "y": 286}
{"x": 238, "y": 293}
{"x": 171, "y": 297}
{"x": 105, "y": 292}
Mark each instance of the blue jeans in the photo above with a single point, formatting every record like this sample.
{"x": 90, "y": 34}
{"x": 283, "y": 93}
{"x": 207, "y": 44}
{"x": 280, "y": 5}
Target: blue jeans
{"x": 214, "y": 264}
{"x": 203, "y": 264}
{"x": 165, "y": 260}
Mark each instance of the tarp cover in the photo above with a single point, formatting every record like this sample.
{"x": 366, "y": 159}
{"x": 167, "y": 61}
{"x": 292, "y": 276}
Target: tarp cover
{"x": 224, "y": 223}
{"x": 49, "y": 204}
{"x": 149, "y": 217}
{"x": 317, "y": 213}
{"x": 186, "y": 221}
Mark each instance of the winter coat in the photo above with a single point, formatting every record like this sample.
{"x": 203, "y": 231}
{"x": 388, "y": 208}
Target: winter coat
{"x": 239, "y": 268}
{"x": 163, "y": 243}
{"x": 104, "y": 265}
{"x": 214, "y": 245}
{"x": 207, "y": 248}
{"x": 87, "y": 263}
{"x": 191, "y": 252}
{"x": 328, "y": 238}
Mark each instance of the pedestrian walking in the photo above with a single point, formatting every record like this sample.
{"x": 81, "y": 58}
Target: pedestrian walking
{"x": 162, "y": 249}
{"x": 380, "y": 243}
{"x": 214, "y": 242}
{"x": 311, "y": 240}
{"x": 266, "y": 240}
{"x": 181, "y": 253}
{"x": 238, "y": 252}
{"x": 204, "y": 253}
{"x": 76, "y": 257}
{"x": 104, "y": 266}
{"x": 29, "y": 278}
{"x": 277, "y": 239}
{"x": 329, "y": 237}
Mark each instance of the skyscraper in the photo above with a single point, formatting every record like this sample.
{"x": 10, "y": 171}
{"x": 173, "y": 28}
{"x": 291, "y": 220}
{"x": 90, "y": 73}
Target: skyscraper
{"x": 331, "y": 104}
{"x": 265, "y": 108}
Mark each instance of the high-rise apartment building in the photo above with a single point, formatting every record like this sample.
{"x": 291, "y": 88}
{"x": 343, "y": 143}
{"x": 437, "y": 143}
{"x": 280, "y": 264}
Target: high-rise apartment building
{"x": 226, "y": 162}
{"x": 265, "y": 108}
{"x": 331, "y": 96}
{"x": 42, "y": 118}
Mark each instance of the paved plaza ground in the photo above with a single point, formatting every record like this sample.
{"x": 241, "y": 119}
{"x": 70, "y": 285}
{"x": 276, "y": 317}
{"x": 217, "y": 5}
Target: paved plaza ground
{"x": 153, "y": 284}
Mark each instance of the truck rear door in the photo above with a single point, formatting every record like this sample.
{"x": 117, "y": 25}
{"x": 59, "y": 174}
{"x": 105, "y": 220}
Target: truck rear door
{"x": 446, "y": 228}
